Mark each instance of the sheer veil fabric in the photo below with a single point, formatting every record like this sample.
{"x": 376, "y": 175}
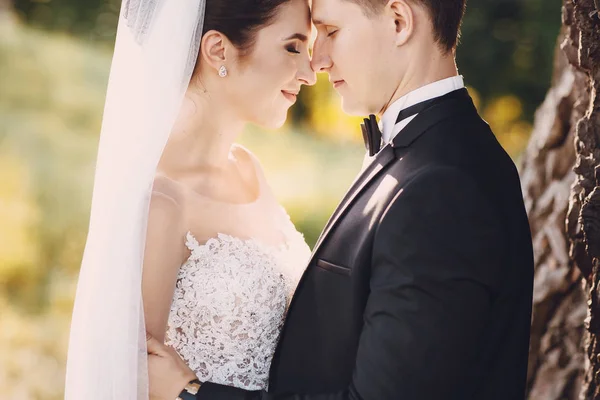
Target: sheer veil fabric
{"x": 155, "y": 52}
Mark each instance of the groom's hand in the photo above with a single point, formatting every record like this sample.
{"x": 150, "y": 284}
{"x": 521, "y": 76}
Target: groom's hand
{"x": 168, "y": 374}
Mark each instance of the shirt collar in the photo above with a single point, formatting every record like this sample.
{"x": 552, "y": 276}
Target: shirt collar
{"x": 430, "y": 91}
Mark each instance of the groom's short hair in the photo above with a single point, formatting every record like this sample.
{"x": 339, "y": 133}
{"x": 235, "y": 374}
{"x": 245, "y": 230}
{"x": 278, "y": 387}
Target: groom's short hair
{"x": 446, "y": 17}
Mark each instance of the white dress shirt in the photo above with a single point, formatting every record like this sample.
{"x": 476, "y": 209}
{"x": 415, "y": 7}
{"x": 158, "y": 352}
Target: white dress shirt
{"x": 389, "y": 129}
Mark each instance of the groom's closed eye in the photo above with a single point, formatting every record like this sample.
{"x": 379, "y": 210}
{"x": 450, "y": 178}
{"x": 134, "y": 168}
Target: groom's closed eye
{"x": 330, "y": 31}
{"x": 322, "y": 26}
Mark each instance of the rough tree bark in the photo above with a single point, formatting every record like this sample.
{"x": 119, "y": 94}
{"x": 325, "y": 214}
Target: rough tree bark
{"x": 561, "y": 178}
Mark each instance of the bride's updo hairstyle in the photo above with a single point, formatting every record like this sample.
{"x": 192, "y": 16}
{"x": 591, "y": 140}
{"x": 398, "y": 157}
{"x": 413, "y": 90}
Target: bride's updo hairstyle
{"x": 240, "y": 20}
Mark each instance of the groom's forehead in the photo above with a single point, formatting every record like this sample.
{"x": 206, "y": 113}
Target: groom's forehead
{"x": 325, "y": 12}
{"x": 321, "y": 10}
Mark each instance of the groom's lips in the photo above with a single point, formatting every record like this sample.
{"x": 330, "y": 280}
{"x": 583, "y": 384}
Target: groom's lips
{"x": 337, "y": 84}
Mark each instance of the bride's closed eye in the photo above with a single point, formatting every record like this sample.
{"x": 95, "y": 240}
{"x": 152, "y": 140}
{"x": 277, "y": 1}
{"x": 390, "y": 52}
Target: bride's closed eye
{"x": 299, "y": 39}
{"x": 293, "y": 49}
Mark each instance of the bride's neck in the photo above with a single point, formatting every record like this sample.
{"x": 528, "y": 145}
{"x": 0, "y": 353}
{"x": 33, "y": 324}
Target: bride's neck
{"x": 202, "y": 135}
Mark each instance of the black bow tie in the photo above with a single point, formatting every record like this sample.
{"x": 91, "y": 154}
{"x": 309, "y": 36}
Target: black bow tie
{"x": 372, "y": 134}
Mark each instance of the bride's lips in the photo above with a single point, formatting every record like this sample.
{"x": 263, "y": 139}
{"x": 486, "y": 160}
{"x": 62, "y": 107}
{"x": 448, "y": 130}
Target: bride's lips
{"x": 291, "y": 96}
{"x": 338, "y": 83}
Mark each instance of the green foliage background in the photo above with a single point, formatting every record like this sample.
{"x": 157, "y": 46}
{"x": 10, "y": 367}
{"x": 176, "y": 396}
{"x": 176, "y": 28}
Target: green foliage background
{"x": 54, "y": 63}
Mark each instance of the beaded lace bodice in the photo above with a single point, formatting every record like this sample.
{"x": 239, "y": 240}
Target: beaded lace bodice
{"x": 229, "y": 305}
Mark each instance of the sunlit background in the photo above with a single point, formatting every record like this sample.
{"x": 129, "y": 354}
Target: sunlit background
{"x": 54, "y": 64}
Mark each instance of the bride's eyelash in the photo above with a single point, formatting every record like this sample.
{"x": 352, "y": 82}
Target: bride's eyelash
{"x": 331, "y": 33}
{"x": 292, "y": 49}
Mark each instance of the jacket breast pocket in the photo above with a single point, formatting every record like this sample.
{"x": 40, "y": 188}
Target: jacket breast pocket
{"x": 336, "y": 269}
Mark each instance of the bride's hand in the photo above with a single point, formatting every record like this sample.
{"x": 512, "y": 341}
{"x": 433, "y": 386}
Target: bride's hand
{"x": 168, "y": 374}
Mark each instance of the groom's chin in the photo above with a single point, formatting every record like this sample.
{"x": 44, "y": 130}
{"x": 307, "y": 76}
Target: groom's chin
{"x": 353, "y": 108}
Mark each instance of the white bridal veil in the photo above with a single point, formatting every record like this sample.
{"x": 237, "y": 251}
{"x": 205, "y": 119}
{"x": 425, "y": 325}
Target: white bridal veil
{"x": 155, "y": 53}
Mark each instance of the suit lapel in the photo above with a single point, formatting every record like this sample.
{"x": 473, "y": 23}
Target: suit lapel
{"x": 452, "y": 104}
{"x": 455, "y": 103}
{"x": 382, "y": 159}
{"x": 357, "y": 180}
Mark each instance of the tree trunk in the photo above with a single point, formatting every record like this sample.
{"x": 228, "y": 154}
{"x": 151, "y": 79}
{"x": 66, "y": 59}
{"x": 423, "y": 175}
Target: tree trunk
{"x": 560, "y": 175}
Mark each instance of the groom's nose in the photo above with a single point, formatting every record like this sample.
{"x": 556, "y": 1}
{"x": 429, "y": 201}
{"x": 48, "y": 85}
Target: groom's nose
{"x": 321, "y": 61}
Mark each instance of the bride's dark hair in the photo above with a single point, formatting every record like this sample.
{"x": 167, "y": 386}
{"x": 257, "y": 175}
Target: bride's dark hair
{"x": 239, "y": 20}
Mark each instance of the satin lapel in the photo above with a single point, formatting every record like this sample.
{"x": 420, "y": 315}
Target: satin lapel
{"x": 382, "y": 159}
{"x": 456, "y": 103}
{"x": 359, "y": 177}
{"x": 452, "y": 104}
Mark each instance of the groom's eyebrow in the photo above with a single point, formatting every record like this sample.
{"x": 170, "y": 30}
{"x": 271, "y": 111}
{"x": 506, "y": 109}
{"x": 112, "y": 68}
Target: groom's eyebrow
{"x": 299, "y": 36}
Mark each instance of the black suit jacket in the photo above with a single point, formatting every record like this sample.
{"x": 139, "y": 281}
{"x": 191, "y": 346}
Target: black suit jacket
{"x": 420, "y": 286}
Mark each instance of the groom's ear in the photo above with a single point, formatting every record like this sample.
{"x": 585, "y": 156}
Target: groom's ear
{"x": 403, "y": 16}
{"x": 214, "y": 49}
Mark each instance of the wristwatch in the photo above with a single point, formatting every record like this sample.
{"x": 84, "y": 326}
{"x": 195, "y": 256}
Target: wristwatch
{"x": 190, "y": 390}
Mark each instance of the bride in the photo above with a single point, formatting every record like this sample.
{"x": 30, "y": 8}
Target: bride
{"x": 186, "y": 239}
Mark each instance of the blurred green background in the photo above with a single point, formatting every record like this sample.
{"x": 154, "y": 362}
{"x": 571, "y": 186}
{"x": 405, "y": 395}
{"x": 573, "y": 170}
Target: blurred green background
{"x": 54, "y": 64}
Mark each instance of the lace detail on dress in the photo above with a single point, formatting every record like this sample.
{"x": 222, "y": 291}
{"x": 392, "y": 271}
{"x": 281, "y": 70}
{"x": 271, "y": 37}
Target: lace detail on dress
{"x": 229, "y": 305}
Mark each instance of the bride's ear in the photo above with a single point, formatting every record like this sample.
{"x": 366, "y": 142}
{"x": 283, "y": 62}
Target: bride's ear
{"x": 215, "y": 49}
{"x": 403, "y": 16}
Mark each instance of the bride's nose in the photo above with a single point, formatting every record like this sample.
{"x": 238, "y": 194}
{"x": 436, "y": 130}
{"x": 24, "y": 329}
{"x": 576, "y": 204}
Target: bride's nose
{"x": 306, "y": 75}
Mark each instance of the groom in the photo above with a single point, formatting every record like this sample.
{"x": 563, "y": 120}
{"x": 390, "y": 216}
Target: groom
{"x": 420, "y": 286}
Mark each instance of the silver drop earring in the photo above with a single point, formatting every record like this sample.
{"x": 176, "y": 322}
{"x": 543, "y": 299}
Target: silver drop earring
{"x": 222, "y": 71}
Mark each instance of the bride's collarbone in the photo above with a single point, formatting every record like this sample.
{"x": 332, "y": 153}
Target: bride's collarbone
{"x": 236, "y": 184}
{"x": 223, "y": 190}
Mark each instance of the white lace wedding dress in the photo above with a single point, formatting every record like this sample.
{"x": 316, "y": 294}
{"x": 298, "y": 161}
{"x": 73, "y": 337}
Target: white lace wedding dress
{"x": 231, "y": 299}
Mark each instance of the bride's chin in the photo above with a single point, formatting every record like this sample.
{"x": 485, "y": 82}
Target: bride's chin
{"x": 275, "y": 122}
{"x": 276, "y": 125}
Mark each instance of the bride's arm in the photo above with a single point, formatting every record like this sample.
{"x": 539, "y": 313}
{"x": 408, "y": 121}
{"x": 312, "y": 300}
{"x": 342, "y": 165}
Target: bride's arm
{"x": 163, "y": 256}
